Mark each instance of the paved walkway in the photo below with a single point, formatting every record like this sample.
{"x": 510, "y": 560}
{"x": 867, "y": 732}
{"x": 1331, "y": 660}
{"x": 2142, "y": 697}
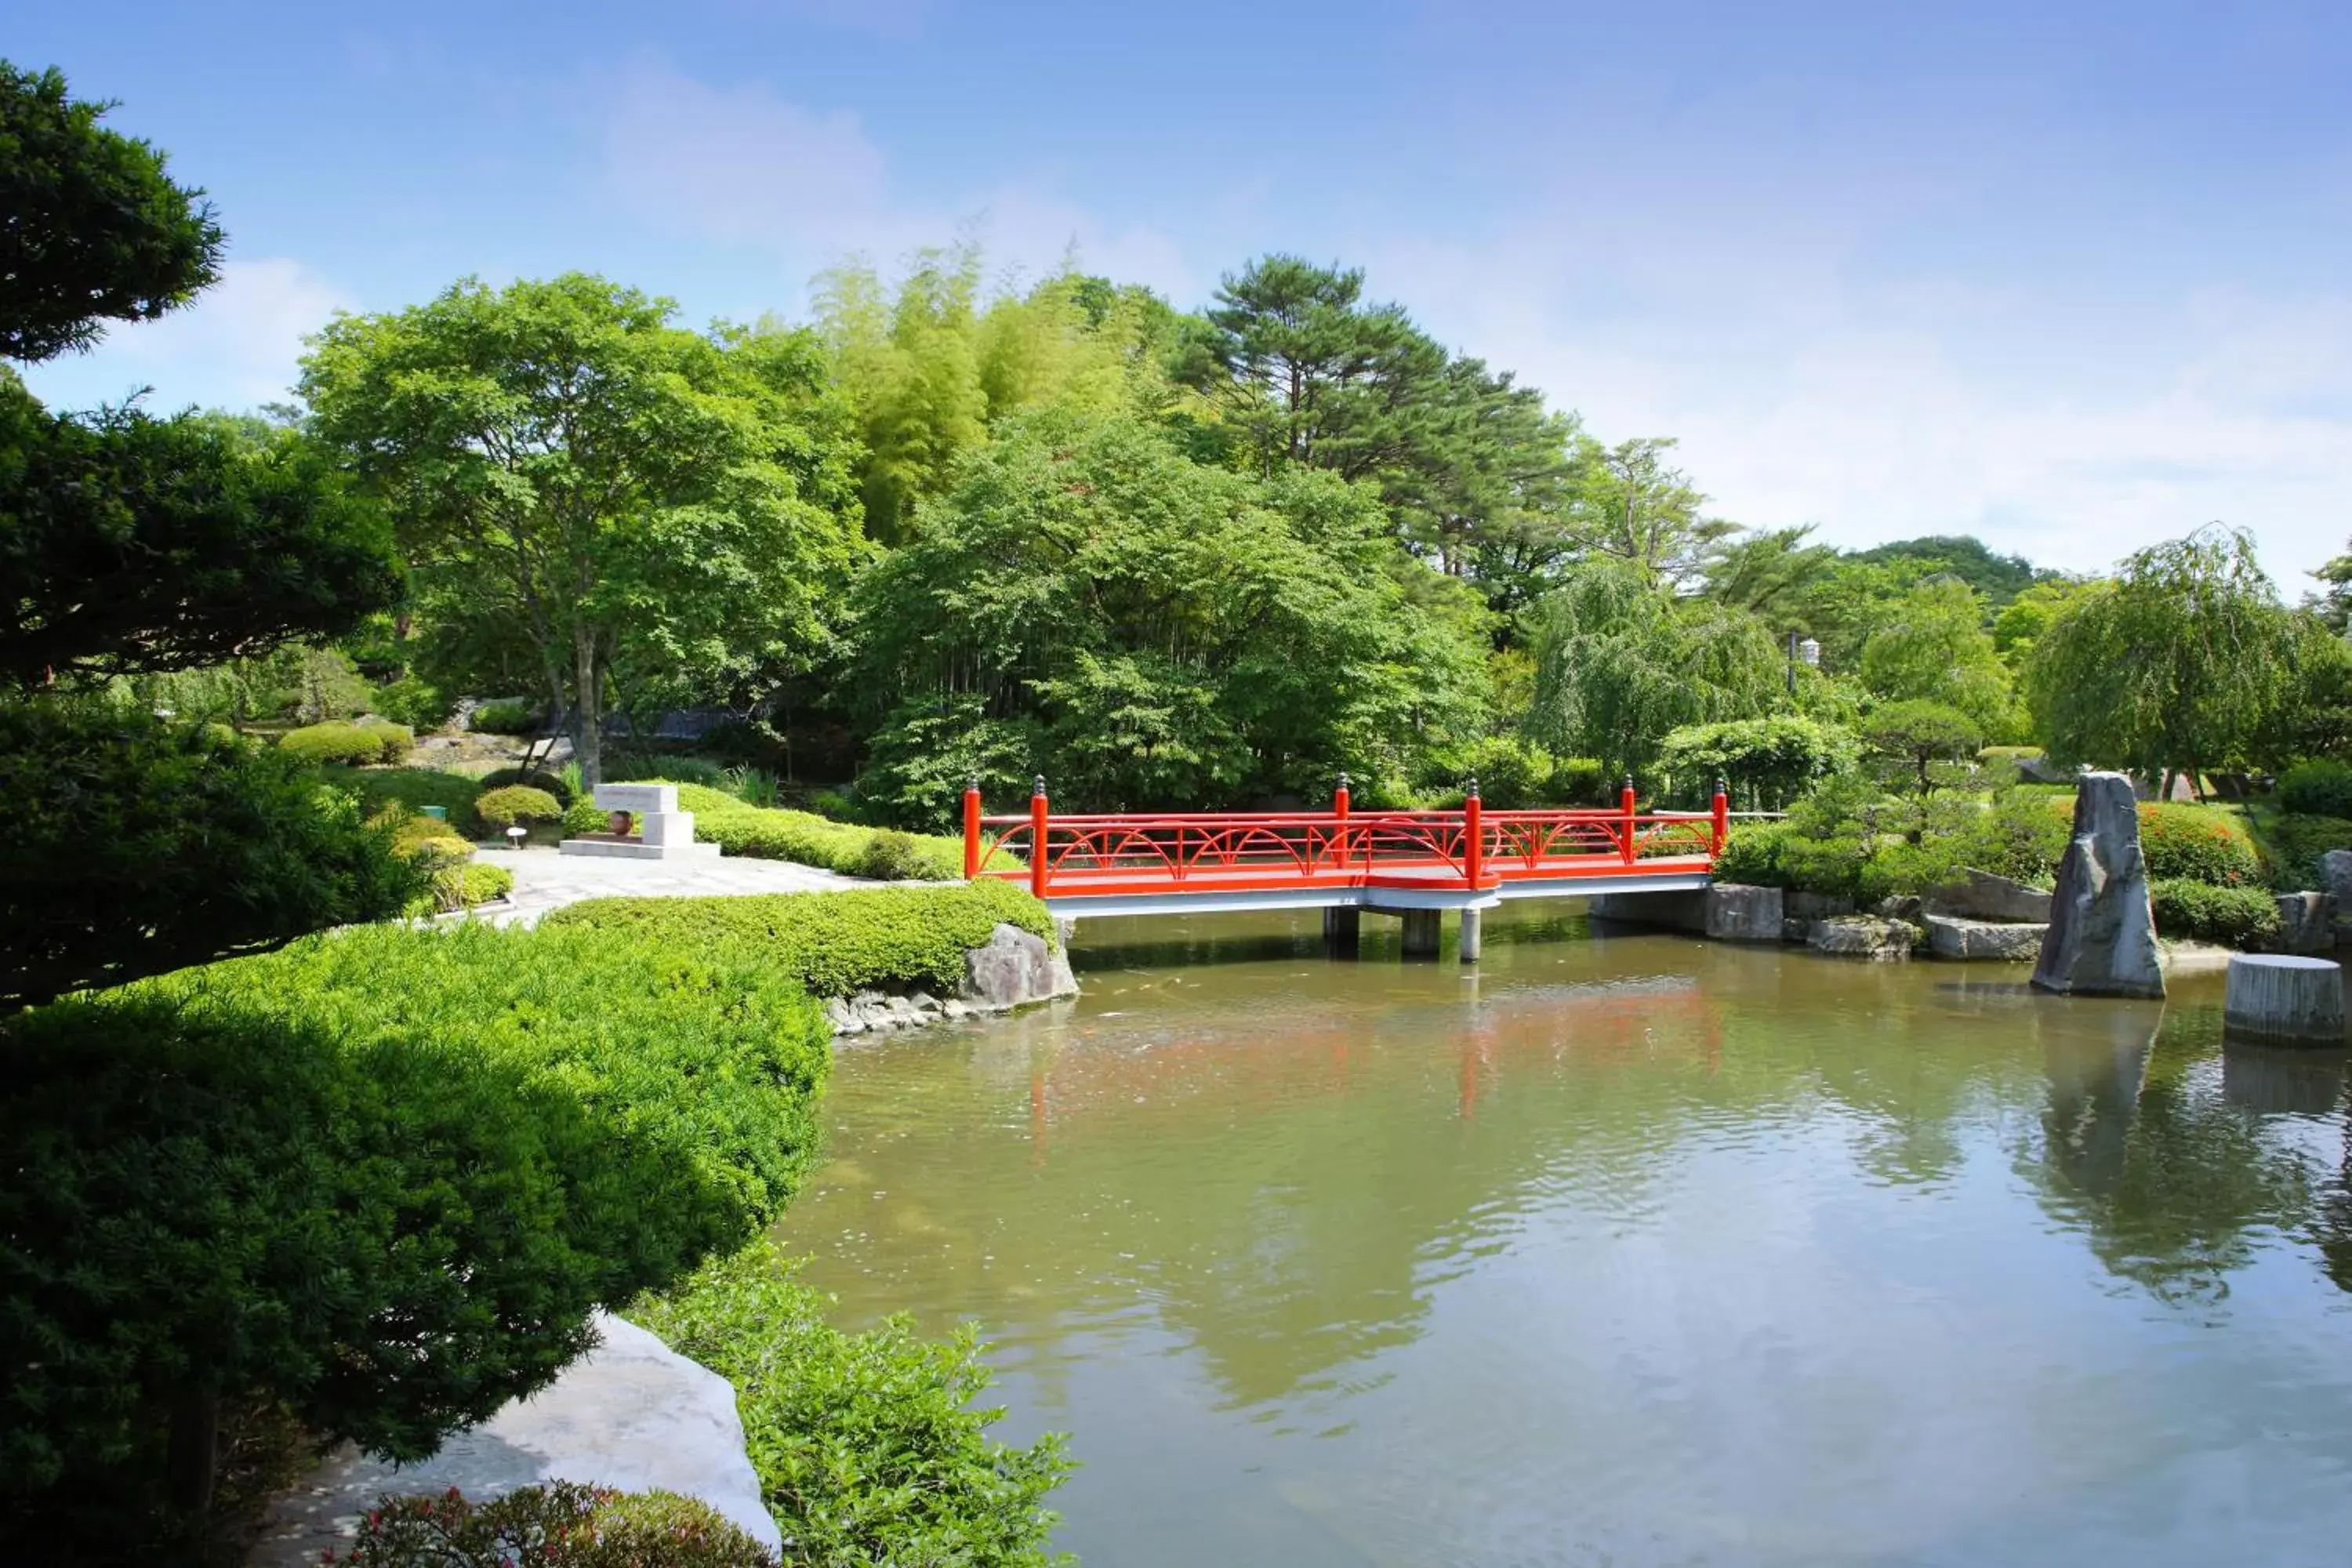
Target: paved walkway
{"x": 548, "y": 879}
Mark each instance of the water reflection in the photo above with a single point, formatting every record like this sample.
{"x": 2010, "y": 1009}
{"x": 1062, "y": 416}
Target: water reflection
{"x": 1638, "y": 1247}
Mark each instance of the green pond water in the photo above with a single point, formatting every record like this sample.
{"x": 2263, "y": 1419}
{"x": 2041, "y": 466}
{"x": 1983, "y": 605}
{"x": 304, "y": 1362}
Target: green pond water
{"x": 1623, "y": 1249}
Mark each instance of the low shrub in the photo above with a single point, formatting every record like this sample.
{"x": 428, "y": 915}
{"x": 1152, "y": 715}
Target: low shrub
{"x": 2234, "y": 917}
{"x": 834, "y": 945}
{"x": 499, "y": 809}
{"x": 1512, "y": 774}
{"x": 469, "y": 883}
{"x": 2019, "y": 837}
{"x": 353, "y": 745}
{"x": 2316, "y": 789}
{"x": 867, "y": 1446}
{"x": 890, "y": 856}
{"x": 1751, "y": 855}
{"x": 380, "y": 1177}
{"x": 417, "y": 703}
{"x": 554, "y": 783}
{"x": 562, "y": 1524}
{"x": 2196, "y": 843}
{"x": 586, "y": 816}
{"x": 2291, "y": 848}
{"x": 510, "y": 716}
{"x": 768, "y": 835}
{"x": 649, "y": 768}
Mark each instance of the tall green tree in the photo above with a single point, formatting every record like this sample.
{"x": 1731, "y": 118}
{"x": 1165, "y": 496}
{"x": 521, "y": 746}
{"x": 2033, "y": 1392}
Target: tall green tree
{"x": 1621, "y": 662}
{"x": 561, "y": 459}
{"x": 92, "y": 228}
{"x": 1931, "y": 646}
{"x": 1642, "y": 510}
{"x": 2174, "y": 667}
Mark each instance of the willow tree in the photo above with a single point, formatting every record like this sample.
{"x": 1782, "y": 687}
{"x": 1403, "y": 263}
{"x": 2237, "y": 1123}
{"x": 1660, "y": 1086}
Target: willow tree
{"x": 1622, "y": 661}
{"x": 2174, "y": 667}
{"x": 561, "y": 461}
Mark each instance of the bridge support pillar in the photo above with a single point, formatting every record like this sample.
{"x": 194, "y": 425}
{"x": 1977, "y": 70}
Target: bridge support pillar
{"x": 1421, "y": 938}
{"x": 1473, "y": 921}
{"x": 1343, "y": 930}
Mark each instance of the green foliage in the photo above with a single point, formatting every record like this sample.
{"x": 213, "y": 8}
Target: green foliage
{"x": 2020, "y": 837}
{"x": 417, "y": 703}
{"x": 562, "y": 1524}
{"x": 381, "y": 1176}
{"x": 1767, "y": 762}
{"x": 415, "y": 788}
{"x": 2316, "y": 789}
{"x": 352, "y": 746}
{"x": 1997, "y": 579}
{"x": 1146, "y": 630}
{"x": 2233, "y": 916}
{"x": 554, "y": 784}
{"x": 1512, "y": 774}
{"x": 463, "y": 887}
{"x": 774, "y": 835}
{"x": 1931, "y": 646}
{"x": 136, "y": 545}
{"x": 96, "y": 232}
{"x": 867, "y": 1446}
{"x": 1621, "y": 662}
{"x": 2178, "y": 664}
{"x": 618, "y": 494}
{"x": 508, "y": 716}
{"x": 2291, "y": 847}
{"x": 585, "y": 815}
{"x": 890, "y": 856}
{"x": 135, "y": 845}
{"x": 834, "y": 945}
{"x": 2197, "y": 844}
{"x": 502, "y": 808}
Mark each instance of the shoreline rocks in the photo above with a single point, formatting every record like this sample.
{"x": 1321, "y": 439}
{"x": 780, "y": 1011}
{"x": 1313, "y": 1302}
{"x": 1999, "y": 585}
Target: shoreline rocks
{"x": 1016, "y": 969}
{"x": 1872, "y": 938}
{"x": 1948, "y": 937}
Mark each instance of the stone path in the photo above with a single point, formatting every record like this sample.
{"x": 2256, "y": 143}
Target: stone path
{"x": 548, "y": 879}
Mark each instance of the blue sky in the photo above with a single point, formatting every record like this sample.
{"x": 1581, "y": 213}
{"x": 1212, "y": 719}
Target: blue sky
{"x": 2070, "y": 277}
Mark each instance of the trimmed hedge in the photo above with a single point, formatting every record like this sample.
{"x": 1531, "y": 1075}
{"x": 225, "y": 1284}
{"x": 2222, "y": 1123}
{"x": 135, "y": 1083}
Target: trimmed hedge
{"x": 415, "y": 788}
{"x": 355, "y": 744}
{"x": 514, "y": 716}
{"x": 767, "y": 833}
{"x": 2198, "y": 843}
{"x": 2230, "y": 916}
{"x": 867, "y": 1446}
{"x": 834, "y": 945}
{"x": 536, "y": 778}
{"x": 2316, "y": 789}
{"x": 381, "y": 1176}
{"x": 500, "y": 809}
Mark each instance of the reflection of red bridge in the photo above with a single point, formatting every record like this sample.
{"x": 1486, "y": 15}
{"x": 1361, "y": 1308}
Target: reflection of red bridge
{"x": 1413, "y": 863}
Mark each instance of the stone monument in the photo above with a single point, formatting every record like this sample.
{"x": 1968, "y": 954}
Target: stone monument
{"x": 663, "y": 831}
{"x": 2102, "y": 935}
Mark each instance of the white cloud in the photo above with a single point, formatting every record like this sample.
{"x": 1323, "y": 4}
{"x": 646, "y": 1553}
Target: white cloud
{"x": 742, "y": 165}
{"x": 237, "y": 346}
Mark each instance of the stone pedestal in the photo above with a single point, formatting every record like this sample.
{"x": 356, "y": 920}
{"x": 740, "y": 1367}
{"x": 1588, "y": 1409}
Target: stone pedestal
{"x": 1421, "y": 933}
{"x": 664, "y": 832}
{"x": 1473, "y": 932}
{"x": 2102, "y": 936}
{"x": 2279, "y": 997}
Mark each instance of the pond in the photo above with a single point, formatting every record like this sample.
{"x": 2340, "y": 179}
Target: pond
{"x": 1619, "y": 1249}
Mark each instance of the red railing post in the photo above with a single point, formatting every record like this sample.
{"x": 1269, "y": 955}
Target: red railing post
{"x": 1625, "y": 805}
{"x": 1722, "y": 819}
{"x": 1339, "y": 811}
{"x": 1474, "y": 835}
{"x": 1037, "y": 838}
{"x": 971, "y": 830}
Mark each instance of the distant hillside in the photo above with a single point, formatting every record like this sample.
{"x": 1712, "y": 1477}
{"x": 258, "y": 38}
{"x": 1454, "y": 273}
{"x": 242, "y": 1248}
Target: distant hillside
{"x": 2000, "y": 578}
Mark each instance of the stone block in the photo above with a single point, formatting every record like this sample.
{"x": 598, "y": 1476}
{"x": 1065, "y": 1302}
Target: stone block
{"x": 1807, "y": 907}
{"x": 1737, "y": 912}
{"x": 1981, "y": 896}
{"x": 2280, "y": 997}
{"x": 1948, "y": 937}
{"x": 2102, "y": 936}
{"x": 1863, "y": 936}
{"x": 667, "y": 826}
{"x": 2306, "y": 924}
{"x": 638, "y": 799}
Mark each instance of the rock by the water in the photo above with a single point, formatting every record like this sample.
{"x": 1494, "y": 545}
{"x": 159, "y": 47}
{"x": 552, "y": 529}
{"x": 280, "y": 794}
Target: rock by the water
{"x": 630, "y": 1414}
{"x": 1901, "y": 907}
{"x": 1863, "y": 936}
{"x": 1948, "y": 937}
{"x": 2279, "y": 996}
{"x": 2306, "y": 924}
{"x": 2336, "y": 877}
{"x": 1736, "y": 912}
{"x": 1982, "y": 896}
{"x": 1810, "y": 907}
{"x": 2102, "y": 935}
{"x": 1015, "y": 969}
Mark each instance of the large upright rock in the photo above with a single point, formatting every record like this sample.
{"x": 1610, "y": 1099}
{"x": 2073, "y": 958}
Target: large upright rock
{"x": 2102, "y": 935}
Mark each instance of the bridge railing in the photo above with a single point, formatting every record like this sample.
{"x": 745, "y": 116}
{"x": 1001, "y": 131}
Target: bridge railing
{"x": 1472, "y": 847}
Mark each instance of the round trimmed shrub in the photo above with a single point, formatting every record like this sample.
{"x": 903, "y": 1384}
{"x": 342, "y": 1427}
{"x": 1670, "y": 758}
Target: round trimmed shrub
{"x": 2316, "y": 789}
{"x": 536, "y": 778}
{"x": 332, "y": 743}
{"x": 2195, "y": 843}
{"x": 500, "y": 809}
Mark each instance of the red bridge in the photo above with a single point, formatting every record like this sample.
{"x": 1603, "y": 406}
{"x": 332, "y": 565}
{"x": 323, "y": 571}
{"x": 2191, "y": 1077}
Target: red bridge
{"x": 1410, "y": 863}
